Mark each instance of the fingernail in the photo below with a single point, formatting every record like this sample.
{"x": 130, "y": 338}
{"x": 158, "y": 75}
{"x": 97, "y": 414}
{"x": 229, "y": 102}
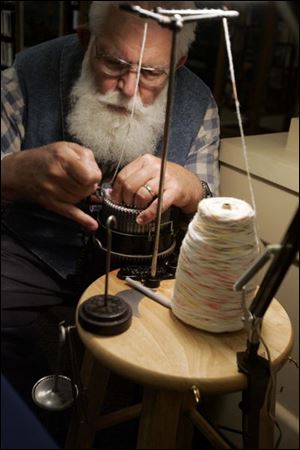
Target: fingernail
{"x": 93, "y": 226}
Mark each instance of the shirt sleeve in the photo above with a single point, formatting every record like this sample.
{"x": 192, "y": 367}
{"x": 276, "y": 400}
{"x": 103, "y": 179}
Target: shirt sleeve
{"x": 203, "y": 157}
{"x": 12, "y": 110}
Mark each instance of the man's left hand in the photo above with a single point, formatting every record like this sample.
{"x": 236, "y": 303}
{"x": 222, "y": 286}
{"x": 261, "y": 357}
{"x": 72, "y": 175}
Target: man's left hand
{"x": 137, "y": 185}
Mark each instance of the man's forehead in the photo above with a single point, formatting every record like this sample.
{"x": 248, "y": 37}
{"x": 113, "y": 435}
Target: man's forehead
{"x": 125, "y": 41}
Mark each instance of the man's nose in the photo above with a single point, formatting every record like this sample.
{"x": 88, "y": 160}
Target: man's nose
{"x": 127, "y": 83}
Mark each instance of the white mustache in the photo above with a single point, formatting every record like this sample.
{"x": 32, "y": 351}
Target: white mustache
{"x": 115, "y": 98}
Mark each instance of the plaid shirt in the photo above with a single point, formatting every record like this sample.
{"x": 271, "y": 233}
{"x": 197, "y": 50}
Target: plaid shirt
{"x": 202, "y": 158}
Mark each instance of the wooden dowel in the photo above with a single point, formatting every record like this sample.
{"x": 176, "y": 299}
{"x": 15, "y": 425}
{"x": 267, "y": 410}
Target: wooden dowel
{"x": 116, "y": 417}
{"x": 207, "y": 430}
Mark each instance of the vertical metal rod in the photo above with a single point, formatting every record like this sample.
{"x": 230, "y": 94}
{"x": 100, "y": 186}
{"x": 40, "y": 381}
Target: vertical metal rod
{"x": 74, "y": 364}
{"x": 164, "y": 155}
{"x": 62, "y": 339}
{"x": 110, "y": 223}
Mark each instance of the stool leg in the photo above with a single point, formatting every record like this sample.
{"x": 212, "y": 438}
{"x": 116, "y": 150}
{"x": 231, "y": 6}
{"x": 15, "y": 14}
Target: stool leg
{"x": 185, "y": 430}
{"x": 159, "y": 420}
{"x": 94, "y": 378}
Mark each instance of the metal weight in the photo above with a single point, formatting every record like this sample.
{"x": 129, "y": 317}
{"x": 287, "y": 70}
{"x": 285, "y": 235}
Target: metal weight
{"x": 55, "y": 392}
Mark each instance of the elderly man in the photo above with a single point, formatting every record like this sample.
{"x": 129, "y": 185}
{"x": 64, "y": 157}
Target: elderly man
{"x": 67, "y": 126}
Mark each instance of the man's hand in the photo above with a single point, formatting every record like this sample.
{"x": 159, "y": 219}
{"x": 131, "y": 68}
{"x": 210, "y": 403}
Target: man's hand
{"x": 57, "y": 176}
{"x": 138, "y": 184}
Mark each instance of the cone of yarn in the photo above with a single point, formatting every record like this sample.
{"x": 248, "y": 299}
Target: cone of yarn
{"x": 219, "y": 246}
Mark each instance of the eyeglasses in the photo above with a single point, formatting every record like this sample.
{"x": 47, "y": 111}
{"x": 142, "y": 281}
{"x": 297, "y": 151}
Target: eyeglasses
{"x": 116, "y": 67}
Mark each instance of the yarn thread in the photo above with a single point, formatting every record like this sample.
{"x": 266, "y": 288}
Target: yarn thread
{"x": 239, "y": 118}
{"x": 221, "y": 243}
{"x": 134, "y": 102}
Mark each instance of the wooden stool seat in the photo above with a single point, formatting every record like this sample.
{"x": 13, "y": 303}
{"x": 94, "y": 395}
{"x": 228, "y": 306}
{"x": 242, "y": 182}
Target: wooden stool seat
{"x": 169, "y": 358}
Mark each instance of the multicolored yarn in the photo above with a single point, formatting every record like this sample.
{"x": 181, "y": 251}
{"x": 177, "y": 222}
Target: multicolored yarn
{"x": 219, "y": 246}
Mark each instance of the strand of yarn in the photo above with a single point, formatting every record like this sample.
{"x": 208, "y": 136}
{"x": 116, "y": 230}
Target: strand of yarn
{"x": 239, "y": 117}
{"x": 218, "y": 247}
{"x": 134, "y": 100}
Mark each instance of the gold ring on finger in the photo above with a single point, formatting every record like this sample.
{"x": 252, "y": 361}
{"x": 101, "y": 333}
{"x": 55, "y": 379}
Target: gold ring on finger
{"x": 149, "y": 189}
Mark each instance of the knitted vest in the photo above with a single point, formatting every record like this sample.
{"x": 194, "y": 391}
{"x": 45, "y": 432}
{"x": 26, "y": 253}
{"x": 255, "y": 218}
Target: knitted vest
{"x": 46, "y": 75}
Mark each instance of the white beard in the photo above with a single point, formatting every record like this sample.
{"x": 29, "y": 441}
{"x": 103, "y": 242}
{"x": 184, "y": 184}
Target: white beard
{"x": 108, "y": 131}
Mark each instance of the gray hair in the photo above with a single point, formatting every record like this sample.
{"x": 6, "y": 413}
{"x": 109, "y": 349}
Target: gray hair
{"x": 99, "y": 12}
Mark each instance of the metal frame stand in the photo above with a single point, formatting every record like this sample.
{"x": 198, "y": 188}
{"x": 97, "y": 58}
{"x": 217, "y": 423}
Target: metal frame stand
{"x": 255, "y": 367}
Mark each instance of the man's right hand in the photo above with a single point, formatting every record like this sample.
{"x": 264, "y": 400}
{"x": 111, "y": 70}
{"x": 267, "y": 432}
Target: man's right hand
{"x": 57, "y": 176}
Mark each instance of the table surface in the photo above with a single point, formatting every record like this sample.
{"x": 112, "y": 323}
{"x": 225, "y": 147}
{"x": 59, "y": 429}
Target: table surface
{"x": 161, "y": 351}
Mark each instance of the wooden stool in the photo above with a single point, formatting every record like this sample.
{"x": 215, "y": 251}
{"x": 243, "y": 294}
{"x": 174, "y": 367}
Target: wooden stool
{"x": 173, "y": 362}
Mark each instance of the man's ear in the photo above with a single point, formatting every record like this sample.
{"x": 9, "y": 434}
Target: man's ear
{"x": 84, "y": 35}
{"x": 181, "y": 62}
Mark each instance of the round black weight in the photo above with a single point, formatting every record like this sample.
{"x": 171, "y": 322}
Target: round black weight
{"x": 108, "y": 319}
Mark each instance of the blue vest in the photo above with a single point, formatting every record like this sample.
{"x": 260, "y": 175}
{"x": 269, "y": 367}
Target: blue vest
{"x": 46, "y": 75}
